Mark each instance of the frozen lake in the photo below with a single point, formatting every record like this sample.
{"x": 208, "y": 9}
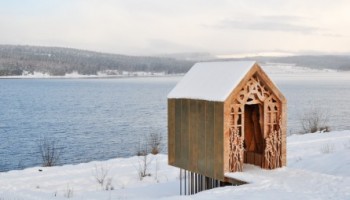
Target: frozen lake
{"x": 99, "y": 119}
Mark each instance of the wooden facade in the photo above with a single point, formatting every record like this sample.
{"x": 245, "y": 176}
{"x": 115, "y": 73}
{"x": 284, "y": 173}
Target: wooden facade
{"x": 212, "y": 138}
{"x": 196, "y": 136}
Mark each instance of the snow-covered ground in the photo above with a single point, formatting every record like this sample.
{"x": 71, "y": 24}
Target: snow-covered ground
{"x": 318, "y": 168}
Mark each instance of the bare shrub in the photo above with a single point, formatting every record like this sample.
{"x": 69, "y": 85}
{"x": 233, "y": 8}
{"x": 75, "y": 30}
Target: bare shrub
{"x": 156, "y": 171}
{"x": 68, "y": 193}
{"x": 347, "y": 144}
{"x": 327, "y": 148}
{"x": 155, "y": 141}
{"x": 20, "y": 165}
{"x": 142, "y": 149}
{"x": 143, "y": 161}
{"x": 109, "y": 185}
{"x": 50, "y": 151}
{"x": 152, "y": 145}
{"x": 100, "y": 173}
{"x": 314, "y": 120}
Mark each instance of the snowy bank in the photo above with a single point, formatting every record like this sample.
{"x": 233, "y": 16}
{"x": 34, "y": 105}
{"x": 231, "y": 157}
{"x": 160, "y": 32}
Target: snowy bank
{"x": 318, "y": 168}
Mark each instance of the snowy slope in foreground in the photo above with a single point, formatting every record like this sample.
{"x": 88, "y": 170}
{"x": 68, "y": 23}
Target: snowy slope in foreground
{"x": 318, "y": 168}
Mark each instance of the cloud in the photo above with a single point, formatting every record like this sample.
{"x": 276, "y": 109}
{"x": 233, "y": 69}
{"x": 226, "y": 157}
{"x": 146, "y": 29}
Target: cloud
{"x": 140, "y": 27}
{"x": 333, "y": 35}
{"x": 270, "y": 23}
{"x": 169, "y": 47}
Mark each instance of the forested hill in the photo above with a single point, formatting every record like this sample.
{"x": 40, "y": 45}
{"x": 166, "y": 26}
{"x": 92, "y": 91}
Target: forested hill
{"x": 335, "y": 62}
{"x": 59, "y": 61}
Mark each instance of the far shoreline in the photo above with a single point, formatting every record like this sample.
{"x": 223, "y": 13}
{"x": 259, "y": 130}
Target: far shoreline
{"x": 91, "y": 76}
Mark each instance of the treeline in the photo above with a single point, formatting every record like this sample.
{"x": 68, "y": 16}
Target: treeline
{"x": 59, "y": 61}
{"x": 335, "y": 62}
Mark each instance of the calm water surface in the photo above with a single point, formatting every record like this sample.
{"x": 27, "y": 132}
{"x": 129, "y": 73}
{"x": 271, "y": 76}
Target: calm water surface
{"x": 99, "y": 119}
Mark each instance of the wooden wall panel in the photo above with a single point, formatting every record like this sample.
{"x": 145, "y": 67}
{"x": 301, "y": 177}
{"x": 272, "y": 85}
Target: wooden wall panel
{"x": 193, "y": 133}
{"x": 171, "y": 131}
{"x": 196, "y": 130}
{"x": 185, "y": 139}
{"x": 219, "y": 141}
{"x": 177, "y": 132}
{"x": 201, "y": 137}
{"x": 209, "y": 139}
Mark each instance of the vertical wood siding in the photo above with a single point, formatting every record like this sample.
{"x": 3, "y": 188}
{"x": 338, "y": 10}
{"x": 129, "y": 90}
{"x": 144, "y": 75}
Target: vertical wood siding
{"x": 171, "y": 131}
{"x": 196, "y": 136}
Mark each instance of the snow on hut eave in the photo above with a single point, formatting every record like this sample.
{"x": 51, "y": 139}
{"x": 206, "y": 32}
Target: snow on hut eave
{"x": 223, "y": 78}
{"x": 197, "y": 99}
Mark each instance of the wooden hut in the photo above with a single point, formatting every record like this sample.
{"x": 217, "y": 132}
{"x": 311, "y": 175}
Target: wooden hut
{"x": 222, "y": 115}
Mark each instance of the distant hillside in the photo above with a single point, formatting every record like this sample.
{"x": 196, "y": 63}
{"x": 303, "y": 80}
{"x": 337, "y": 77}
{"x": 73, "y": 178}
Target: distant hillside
{"x": 59, "y": 61}
{"x": 335, "y": 62}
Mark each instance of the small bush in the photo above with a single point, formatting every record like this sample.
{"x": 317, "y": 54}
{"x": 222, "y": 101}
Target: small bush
{"x": 155, "y": 141}
{"x": 152, "y": 145}
{"x": 327, "y": 148}
{"x": 142, "y": 149}
{"x": 109, "y": 185}
{"x": 49, "y": 151}
{"x": 100, "y": 173}
{"x": 314, "y": 120}
{"x": 68, "y": 193}
{"x": 143, "y": 161}
{"x": 325, "y": 129}
{"x": 347, "y": 144}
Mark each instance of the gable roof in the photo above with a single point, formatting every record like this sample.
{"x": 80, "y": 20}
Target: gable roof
{"x": 212, "y": 81}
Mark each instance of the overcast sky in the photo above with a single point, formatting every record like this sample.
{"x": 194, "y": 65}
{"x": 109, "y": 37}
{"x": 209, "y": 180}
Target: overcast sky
{"x": 147, "y": 27}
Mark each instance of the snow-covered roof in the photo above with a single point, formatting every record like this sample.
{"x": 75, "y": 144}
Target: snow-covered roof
{"x": 212, "y": 81}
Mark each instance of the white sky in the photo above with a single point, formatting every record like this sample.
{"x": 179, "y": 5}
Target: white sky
{"x": 147, "y": 27}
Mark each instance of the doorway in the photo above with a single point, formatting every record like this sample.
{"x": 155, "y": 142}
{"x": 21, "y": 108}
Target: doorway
{"x": 253, "y": 134}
